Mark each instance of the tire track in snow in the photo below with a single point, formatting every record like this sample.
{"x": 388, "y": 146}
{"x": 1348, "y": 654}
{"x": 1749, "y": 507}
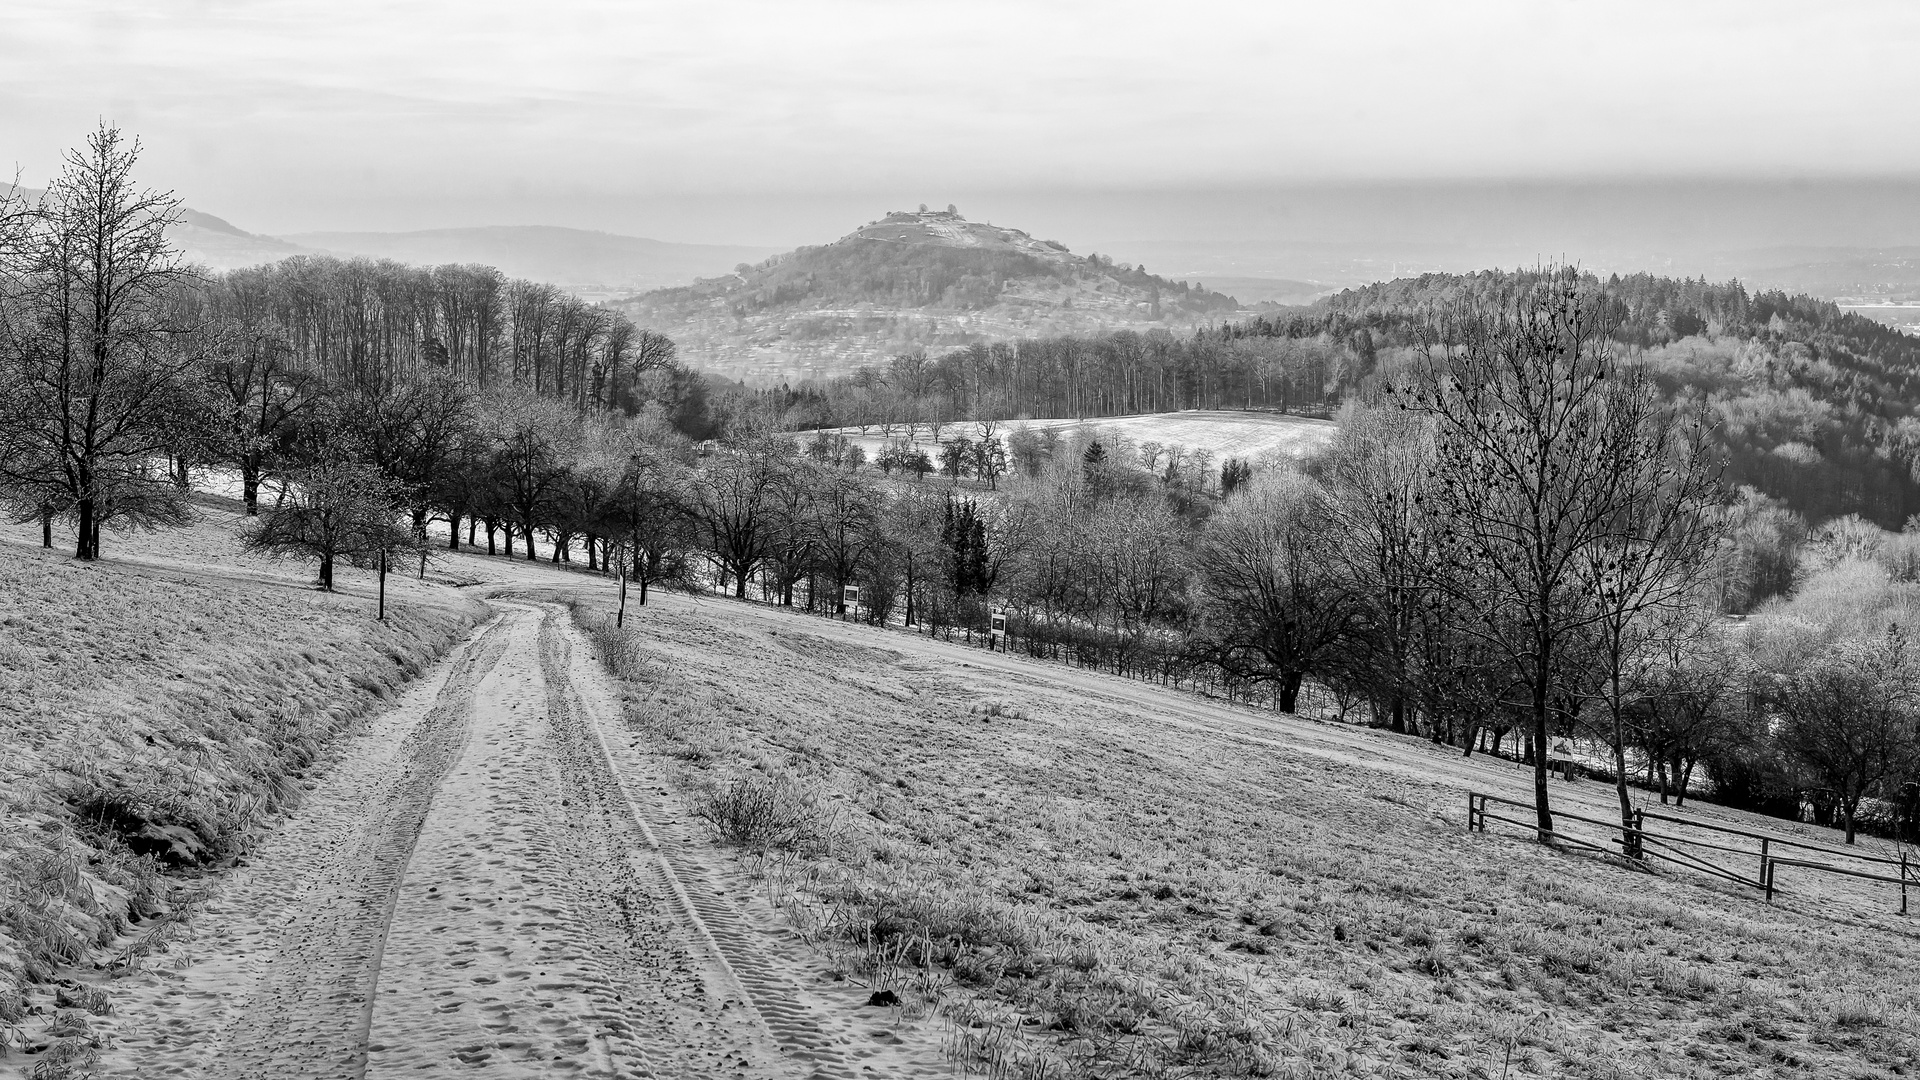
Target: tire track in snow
{"x": 729, "y": 941}
{"x": 308, "y": 1014}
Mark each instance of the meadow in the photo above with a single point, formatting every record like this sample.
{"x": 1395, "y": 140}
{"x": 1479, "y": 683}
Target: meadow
{"x": 1082, "y": 875}
{"x": 1223, "y": 433}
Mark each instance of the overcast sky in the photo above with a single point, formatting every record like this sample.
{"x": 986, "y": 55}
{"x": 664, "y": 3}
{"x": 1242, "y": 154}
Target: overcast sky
{"x": 288, "y": 116}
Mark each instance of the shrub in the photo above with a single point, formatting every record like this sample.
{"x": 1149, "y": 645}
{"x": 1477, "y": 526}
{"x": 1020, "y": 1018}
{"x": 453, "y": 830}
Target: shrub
{"x": 772, "y": 812}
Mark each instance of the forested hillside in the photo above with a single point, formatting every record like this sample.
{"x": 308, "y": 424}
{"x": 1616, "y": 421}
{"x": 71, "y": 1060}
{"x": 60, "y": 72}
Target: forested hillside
{"x": 926, "y": 279}
{"x": 1812, "y": 405}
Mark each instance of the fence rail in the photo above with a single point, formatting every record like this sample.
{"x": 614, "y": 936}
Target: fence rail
{"x": 1636, "y": 843}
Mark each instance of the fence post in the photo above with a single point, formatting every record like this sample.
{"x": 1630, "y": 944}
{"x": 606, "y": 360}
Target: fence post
{"x": 1769, "y": 875}
{"x": 1639, "y": 827}
{"x": 1469, "y": 811}
{"x": 1903, "y": 881}
{"x": 1763, "y": 858}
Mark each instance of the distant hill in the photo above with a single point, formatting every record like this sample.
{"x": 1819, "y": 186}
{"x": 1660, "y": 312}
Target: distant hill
{"x": 926, "y": 280}
{"x": 218, "y": 244}
{"x": 1840, "y": 273}
{"x": 215, "y": 243}
{"x": 583, "y": 261}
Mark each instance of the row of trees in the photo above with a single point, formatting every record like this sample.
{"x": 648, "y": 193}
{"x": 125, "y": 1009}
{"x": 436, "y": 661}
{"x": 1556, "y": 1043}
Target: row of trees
{"x": 1111, "y": 374}
{"x": 121, "y": 367}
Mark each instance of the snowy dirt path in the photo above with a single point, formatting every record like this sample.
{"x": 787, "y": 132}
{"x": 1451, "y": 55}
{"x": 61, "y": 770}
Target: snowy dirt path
{"x": 471, "y": 889}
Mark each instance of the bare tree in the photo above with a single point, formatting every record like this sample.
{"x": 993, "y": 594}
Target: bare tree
{"x": 337, "y": 510}
{"x": 846, "y": 525}
{"x": 1272, "y": 604}
{"x": 735, "y": 501}
{"x": 1378, "y": 474}
{"x": 1541, "y": 461}
{"x": 258, "y": 397}
{"x": 96, "y": 358}
{"x": 1651, "y": 548}
{"x": 652, "y": 525}
{"x": 1849, "y": 716}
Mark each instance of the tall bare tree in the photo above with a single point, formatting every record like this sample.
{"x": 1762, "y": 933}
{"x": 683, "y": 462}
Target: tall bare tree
{"x": 97, "y": 362}
{"x": 1551, "y": 463}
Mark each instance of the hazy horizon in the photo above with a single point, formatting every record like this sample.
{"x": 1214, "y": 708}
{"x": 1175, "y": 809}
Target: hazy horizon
{"x": 1531, "y": 128}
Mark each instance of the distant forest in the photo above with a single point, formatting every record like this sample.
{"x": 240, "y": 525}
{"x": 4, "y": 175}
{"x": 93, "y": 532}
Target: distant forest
{"x": 373, "y": 324}
{"x": 1813, "y": 405}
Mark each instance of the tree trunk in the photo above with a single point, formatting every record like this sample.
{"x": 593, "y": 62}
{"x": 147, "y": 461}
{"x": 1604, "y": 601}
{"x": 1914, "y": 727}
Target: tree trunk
{"x": 46, "y": 528}
{"x": 453, "y": 531}
{"x": 1543, "y": 814}
{"x": 250, "y": 488}
{"x": 1631, "y": 846}
{"x": 1290, "y": 690}
{"x": 326, "y": 573}
{"x": 83, "y": 542}
{"x": 910, "y": 611}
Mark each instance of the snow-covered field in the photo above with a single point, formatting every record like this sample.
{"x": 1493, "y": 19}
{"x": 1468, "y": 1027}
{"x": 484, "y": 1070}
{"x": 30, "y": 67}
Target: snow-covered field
{"x": 1224, "y": 434}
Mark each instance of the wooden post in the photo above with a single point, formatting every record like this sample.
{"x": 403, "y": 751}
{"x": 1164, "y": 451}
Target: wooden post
{"x": 620, "y": 617}
{"x": 1763, "y": 858}
{"x": 1903, "y": 881}
{"x": 383, "y": 584}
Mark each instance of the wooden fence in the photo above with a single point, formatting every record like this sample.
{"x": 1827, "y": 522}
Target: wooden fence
{"x": 1729, "y": 858}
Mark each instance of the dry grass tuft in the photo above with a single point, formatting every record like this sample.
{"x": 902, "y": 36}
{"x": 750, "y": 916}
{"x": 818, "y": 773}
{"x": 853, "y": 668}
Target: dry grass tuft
{"x": 769, "y": 812}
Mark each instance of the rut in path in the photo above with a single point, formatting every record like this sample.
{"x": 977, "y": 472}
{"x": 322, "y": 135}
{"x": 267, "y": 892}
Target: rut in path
{"x": 496, "y": 903}
{"x": 308, "y": 1014}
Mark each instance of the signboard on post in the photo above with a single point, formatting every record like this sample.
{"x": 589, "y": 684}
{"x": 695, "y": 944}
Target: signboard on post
{"x": 997, "y": 630}
{"x": 849, "y": 598}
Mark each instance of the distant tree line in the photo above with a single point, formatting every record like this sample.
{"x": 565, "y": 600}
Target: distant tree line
{"x": 369, "y": 325}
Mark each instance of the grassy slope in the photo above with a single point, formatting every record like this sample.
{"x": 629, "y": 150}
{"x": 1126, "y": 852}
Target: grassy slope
{"x": 1175, "y": 885}
{"x": 157, "y": 706}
